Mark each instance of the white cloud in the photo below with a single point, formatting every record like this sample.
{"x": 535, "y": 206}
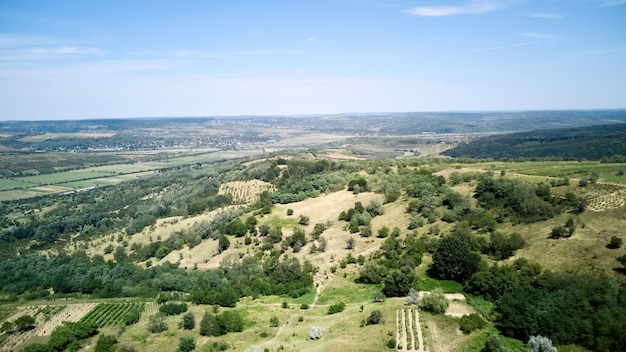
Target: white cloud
{"x": 15, "y": 40}
{"x": 612, "y": 3}
{"x": 512, "y": 45}
{"x": 40, "y": 53}
{"x": 547, "y": 16}
{"x": 471, "y": 7}
{"x": 540, "y": 35}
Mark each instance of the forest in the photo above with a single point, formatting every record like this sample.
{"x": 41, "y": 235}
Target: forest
{"x": 582, "y": 143}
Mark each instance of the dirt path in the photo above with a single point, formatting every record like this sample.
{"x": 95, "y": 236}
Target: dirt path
{"x": 320, "y": 283}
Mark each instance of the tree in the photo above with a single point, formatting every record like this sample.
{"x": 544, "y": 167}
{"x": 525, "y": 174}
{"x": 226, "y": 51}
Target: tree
{"x": 376, "y": 317}
{"x": 25, "y": 322}
{"x": 540, "y": 344}
{"x": 398, "y": 282}
{"x": 223, "y": 243}
{"x": 454, "y": 260}
{"x": 208, "y": 325}
{"x": 188, "y": 321}
{"x": 315, "y": 333}
{"x": 187, "y": 344}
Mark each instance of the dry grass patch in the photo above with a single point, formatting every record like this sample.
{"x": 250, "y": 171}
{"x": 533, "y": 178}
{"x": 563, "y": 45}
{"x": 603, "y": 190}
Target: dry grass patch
{"x": 584, "y": 251}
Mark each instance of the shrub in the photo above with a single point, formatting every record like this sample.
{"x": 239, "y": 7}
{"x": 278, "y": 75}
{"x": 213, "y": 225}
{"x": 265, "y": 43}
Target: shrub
{"x": 37, "y": 347}
{"x": 315, "y": 333}
{"x": 336, "y": 308}
{"x": 540, "y": 344}
{"x": 614, "y": 243}
{"x": 469, "y": 323}
{"x": 391, "y": 343}
{"x": 25, "y": 322}
{"x": 274, "y": 322}
{"x": 412, "y": 297}
{"x": 376, "y": 317}
{"x": 434, "y": 302}
{"x": 132, "y": 317}
{"x": 156, "y": 323}
{"x": 188, "y": 322}
{"x": 173, "y": 308}
{"x": 105, "y": 343}
{"x": 187, "y": 344}
{"x": 493, "y": 344}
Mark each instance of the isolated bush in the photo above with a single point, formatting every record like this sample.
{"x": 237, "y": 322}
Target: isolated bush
{"x": 434, "y": 302}
{"x": 132, "y": 317}
{"x": 376, "y": 317}
{"x": 614, "y": 243}
{"x": 315, "y": 333}
{"x": 540, "y": 344}
{"x": 469, "y": 323}
{"x": 106, "y": 343}
{"x": 188, "y": 322}
{"x": 187, "y": 344}
{"x": 274, "y": 322}
{"x": 156, "y": 323}
{"x": 336, "y": 308}
{"x": 25, "y": 322}
{"x": 173, "y": 308}
{"x": 412, "y": 297}
{"x": 493, "y": 344}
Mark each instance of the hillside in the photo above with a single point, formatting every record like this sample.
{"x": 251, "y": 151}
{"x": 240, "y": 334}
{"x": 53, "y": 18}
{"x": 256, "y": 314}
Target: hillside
{"x": 588, "y": 143}
{"x": 275, "y": 246}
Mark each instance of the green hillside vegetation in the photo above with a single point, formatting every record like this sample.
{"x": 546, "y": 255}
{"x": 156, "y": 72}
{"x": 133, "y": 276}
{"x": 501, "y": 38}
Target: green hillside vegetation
{"x": 582, "y": 143}
{"x": 331, "y": 255}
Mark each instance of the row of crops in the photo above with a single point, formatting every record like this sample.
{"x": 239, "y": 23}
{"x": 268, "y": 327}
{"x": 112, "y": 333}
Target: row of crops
{"x": 114, "y": 314}
{"x": 49, "y": 311}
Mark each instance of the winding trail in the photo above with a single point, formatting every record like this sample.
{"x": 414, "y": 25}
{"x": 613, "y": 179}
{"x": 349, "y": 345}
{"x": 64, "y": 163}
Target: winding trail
{"x": 319, "y": 282}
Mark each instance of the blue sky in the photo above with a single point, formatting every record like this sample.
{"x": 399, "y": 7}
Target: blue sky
{"x": 92, "y": 59}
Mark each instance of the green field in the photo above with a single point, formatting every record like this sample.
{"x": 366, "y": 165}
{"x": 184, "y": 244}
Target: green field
{"x": 7, "y": 184}
{"x": 61, "y": 177}
{"x": 607, "y": 172}
{"x": 26, "y": 187}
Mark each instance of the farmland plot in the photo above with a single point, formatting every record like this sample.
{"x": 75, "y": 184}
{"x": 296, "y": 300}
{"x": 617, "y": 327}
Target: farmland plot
{"x": 111, "y": 314}
{"x": 244, "y": 192}
{"x": 409, "y": 331}
{"x": 46, "y": 319}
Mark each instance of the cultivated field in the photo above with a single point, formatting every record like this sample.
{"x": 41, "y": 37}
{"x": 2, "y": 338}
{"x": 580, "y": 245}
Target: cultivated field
{"x": 47, "y": 318}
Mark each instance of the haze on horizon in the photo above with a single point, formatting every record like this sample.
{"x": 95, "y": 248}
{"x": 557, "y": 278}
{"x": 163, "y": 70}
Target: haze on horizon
{"x": 101, "y": 59}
